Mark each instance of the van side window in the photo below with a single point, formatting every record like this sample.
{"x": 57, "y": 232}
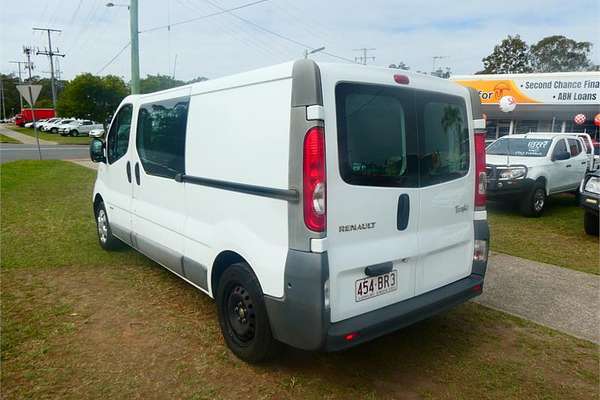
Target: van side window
{"x": 574, "y": 147}
{"x": 160, "y": 138}
{"x": 560, "y": 147}
{"x": 376, "y": 135}
{"x": 118, "y": 136}
{"x": 443, "y": 136}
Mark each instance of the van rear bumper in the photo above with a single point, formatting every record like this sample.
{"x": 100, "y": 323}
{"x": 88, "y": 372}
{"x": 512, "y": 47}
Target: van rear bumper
{"x": 301, "y": 318}
{"x": 396, "y": 316}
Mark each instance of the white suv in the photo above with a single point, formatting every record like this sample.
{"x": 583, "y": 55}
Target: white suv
{"x": 78, "y": 127}
{"x": 321, "y": 205}
{"x": 532, "y": 166}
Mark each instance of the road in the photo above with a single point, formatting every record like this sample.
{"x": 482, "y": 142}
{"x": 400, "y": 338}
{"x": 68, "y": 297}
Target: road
{"x": 12, "y": 152}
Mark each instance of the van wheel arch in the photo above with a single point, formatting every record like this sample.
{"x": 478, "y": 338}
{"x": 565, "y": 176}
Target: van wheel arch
{"x": 224, "y": 260}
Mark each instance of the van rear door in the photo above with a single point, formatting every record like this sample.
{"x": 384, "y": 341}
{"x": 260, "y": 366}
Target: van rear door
{"x": 372, "y": 189}
{"x": 447, "y": 185}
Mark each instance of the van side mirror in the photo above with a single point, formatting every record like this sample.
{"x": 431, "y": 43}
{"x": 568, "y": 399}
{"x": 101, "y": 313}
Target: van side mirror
{"x": 97, "y": 151}
{"x": 563, "y": 155}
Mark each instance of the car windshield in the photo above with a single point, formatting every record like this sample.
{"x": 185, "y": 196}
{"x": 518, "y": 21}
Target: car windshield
{"x": 522, "y": 147}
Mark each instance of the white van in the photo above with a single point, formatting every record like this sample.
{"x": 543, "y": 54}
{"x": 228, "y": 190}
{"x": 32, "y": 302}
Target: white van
{"x": 321, "y": 205}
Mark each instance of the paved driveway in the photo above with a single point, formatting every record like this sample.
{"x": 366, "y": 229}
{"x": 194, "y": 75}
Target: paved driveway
{"x": 560, "y": 298}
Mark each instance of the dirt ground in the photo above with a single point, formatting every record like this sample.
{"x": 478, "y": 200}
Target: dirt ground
{"x": 139, "y": 332}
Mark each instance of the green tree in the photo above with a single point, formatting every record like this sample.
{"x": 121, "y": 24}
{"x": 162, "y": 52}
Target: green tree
{"x": 90, "y": 96}
{"x": 511, "y": 56}
{"x": 154, "y": 83}
{"x": 560, "y": 54}
{"x": 198, "y": 79}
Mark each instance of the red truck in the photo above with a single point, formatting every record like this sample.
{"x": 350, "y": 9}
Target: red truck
{"x": 27, "y": 115}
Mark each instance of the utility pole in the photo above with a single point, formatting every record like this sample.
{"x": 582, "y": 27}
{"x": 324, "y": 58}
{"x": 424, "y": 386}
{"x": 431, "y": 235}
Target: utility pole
{"x": 135, "y": 47}
{"x": 363, "y": 59}
{"x": 28, "y": 51}
{"x": 2, "y": 94}
{"x": 51, "y": 55}
{"x": 135, "y": 44}
{"x": 435, "y": 58}
{"x": 20, "y": 78}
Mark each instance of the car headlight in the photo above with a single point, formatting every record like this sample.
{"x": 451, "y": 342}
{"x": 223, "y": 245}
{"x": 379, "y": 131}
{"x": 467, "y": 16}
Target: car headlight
{"x": 512, "y": 173}
{"x": 592, "y": 185}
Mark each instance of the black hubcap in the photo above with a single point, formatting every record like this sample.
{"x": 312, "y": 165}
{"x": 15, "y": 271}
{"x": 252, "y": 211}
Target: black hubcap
{"x": 240, "y": 312}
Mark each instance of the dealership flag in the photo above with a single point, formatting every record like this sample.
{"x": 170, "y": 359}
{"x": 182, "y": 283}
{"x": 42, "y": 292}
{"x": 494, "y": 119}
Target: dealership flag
{"x": 30, "y": 92}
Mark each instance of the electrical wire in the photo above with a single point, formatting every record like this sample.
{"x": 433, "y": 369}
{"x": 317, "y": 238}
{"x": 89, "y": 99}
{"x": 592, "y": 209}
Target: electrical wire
{"x": 113, "y": 59}
{"x": 279, "y": 35}
{"x": 187, "y": 21}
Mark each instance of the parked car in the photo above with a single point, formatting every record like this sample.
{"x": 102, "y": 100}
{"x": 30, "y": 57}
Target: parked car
{"x": 78, "y": 127}
{"x": 227, "y": 184}
{"x": 49, "y": 121}
{"x": 590, "y": 201}
{"x": 529, "y": 167}
{"x": 55, "y": 126}
{"x": 28, "y": 125}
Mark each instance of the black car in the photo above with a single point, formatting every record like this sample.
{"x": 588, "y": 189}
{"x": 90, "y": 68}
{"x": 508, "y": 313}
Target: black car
{"x": 590, "y": 201}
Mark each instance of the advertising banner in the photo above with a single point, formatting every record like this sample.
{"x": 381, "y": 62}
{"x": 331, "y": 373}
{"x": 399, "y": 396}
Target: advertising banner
{"x": 562, "y": 88}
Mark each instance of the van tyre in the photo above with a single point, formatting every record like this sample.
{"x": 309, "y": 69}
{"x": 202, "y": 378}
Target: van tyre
{"x": 243, "y": 315}
{"x": 107, "y": 240}
{"x": 590, "y": 223}
{"x": 533, "y": 204}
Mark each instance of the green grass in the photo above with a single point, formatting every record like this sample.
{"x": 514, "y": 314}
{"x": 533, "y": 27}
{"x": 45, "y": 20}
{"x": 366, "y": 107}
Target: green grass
{"x": 81, "y": 323}
{"x": 53, "y": 137}
{"x": 7, "y": 139}
{"x": 557, "y": 237}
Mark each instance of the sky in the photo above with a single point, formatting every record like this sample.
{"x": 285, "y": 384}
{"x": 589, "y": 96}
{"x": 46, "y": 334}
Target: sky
{"x": 94, "y": 37}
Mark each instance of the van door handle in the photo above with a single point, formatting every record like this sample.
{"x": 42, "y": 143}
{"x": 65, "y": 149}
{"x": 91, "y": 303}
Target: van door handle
{"x": 379, "y": 269}
{"x": 403, "y": 212}
{"x": 137, "y": 173}
{"x": 128, "y": 171}
{"x": 568, "y": 165}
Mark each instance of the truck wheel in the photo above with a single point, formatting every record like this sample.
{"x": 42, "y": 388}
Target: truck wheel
{"x": 532, "y": 205}
{"x": 107, "y": 240}
{"x": 243, "y": 315}
{"x": 590, "y": 223}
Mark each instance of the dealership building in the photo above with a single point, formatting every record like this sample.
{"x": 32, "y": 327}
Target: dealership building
{"x": 544, "y": 102}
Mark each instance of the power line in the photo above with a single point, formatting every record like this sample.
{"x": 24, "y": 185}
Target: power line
{"x": 279, "y": 35}
{"x": 187, "y": 21}
{"x": 113, "y": 59}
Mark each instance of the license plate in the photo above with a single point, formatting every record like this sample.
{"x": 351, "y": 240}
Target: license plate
{"x": 368, "y": 288}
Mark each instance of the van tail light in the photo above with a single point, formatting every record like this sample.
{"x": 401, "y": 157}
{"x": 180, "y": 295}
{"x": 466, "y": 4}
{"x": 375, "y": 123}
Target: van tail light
{"x": 480, "y": 175}
{"x": 314, "y": 181}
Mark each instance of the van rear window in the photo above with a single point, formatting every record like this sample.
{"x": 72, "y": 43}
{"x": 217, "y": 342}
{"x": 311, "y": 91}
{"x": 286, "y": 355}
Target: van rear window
{"x": 401, "y": 137}
{"x": 376, "y": 132}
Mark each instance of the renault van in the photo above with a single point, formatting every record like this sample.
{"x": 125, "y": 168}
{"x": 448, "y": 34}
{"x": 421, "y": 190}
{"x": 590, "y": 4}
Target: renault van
{"x": 321, "y": 205}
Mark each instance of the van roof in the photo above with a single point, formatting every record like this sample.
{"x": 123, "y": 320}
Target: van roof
{"x": 284, "y": 70}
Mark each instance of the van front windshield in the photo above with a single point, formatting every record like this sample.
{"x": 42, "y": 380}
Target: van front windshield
{"x": 520, "y": 147}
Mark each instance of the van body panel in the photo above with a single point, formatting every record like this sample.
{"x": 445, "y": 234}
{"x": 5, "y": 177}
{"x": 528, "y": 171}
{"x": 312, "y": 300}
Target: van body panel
{"x": 252, "y": 148}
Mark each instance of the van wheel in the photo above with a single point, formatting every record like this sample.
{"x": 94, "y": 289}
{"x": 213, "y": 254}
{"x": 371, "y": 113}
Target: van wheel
{"x": 107, "y": 240}
{"x": 590, "y": 223}
{"x": 533, "y": 204}
{"x": 243, "y": 315}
